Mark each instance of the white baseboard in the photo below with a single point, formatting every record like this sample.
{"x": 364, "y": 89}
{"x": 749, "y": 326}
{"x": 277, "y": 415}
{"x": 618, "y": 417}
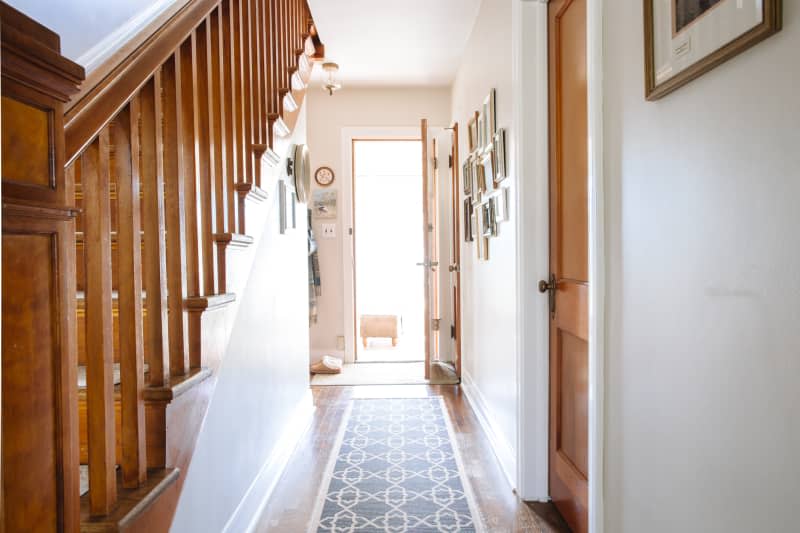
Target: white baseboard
{"x": 502, "y": 448}
{"x": 249, "y": 510}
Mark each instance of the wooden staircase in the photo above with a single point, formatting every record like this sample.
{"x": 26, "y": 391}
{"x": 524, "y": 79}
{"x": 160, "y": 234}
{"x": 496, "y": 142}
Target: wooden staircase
{"x": 159, "y": 166}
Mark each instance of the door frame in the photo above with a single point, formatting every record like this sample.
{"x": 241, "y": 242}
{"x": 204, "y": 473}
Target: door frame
{"x": 346, "y": 210}
{"x": 530, "y": 95}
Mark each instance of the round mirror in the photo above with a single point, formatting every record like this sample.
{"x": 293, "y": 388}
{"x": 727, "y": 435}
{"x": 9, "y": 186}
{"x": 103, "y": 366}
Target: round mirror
{"x": 302, "y": 173}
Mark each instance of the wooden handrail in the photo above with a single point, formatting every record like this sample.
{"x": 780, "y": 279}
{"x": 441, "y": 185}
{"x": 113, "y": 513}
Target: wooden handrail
{"x": 98, "y": 106}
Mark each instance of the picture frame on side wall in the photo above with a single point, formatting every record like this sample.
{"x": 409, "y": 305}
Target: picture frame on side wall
{"x": 684, "y": 39}
{"x": 489, "y": 112}
{"x": 466, "y": 176}
{"x": 501, "y": 171}
{"x": 469, "y": 234}
{"x": 472, "y": 132}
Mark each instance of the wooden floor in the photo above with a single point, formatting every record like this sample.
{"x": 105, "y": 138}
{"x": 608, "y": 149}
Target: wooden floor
{"x": 290, "y": 508}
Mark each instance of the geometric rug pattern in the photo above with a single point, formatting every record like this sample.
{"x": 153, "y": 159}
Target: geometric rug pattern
{"x": 396, "y": 470}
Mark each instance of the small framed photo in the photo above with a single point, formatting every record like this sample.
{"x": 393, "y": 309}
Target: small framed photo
{"x": 469, "y": 234}
{"x": 501, "y": 171}
{"x": 487, "y": 219}
{"x": 287, "y": 206}
{"x": 490, "y": 118}
{"x": 481, "y": 132}
{"x": 466, "y": 176}
{"x": 501, "y": 213}
{"x": 323, "y": 204}
{"x": 472, "y": 133}
{"x": 488, "y": 164}
{"x": 476, "y": 221}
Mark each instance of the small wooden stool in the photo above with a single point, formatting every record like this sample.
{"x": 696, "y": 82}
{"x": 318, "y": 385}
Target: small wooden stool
{"x": 383, "y": 326}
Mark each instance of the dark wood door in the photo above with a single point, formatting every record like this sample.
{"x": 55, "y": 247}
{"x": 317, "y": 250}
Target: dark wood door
{"x": 569, "y": 263}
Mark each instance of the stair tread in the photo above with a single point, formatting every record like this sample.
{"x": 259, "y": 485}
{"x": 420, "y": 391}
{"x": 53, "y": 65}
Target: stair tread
{"x": 131, "y": 503}
{"x": 176, "y": 386}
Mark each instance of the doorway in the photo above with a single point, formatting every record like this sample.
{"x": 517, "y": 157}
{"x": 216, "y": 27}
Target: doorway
{"x": 388, "y": 244}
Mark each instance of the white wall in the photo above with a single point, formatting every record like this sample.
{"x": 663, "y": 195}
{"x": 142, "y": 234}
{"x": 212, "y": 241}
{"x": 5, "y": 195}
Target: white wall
{"x": 703, "y": 289}
{"x": 82, "y": 24}
{"x": 488, "y": 288}
{"x": 262, "y": 385}
{"x": 327, "y": 116}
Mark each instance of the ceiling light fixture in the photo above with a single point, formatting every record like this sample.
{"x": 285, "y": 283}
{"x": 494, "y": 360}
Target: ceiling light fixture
{"x": 331, "y": 83}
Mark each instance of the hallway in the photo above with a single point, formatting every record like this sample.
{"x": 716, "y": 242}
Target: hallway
{"x": 291, "y": 507}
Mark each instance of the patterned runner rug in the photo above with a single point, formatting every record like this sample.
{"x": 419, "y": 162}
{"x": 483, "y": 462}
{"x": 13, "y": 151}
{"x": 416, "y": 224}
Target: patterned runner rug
{"x": 396, "y": 469}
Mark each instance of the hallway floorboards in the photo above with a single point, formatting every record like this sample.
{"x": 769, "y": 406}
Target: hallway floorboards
{"x": 291, "y": 506}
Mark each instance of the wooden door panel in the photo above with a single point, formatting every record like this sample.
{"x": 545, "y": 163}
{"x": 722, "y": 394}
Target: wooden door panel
{"x": 30, "y": 355}
{"x": 569, "y": 263}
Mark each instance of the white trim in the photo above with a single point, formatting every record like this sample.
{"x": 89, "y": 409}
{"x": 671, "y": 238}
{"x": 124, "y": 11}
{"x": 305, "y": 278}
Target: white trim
{"x": 245, "y": 516}
{"x": 531, "y": 87}
{"x": 345, "y": 214}
{"x": 99, "y": 53}
{"x": 500, "y": 446}
{"x": 597, "y": 259}
{"x": 530, "y": 77}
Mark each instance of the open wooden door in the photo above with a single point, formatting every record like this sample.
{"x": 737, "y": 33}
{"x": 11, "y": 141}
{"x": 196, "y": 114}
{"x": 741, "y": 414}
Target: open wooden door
{"x": 430, "y": 263}
{"x": 568, "y": 286}
{"x": 455, "y": 246}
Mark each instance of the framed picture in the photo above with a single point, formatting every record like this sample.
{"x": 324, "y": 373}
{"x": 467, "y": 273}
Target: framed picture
{"x": 487, "y": 164}
{"x": 466, "y": 176}
{"x": 287, "y": 206}
{"x": 501, "y": 205}
{"x": 472, "y": 132}
{"x": 487, "y": 219}
{"x": 469, "y": 234}
{"x": 501, "y": 171}
{"x": 324, "y": 204}
{"x": 684, "y": 39}
{"x": 476, "y": 220}
{"x": 490, "y": 119}
{"x": 481, "y": 132}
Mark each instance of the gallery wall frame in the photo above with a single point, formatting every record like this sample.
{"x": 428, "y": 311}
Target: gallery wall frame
{"x": 672, "y": 26}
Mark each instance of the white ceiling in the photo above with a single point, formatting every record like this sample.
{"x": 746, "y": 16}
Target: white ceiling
{"x": 395, "y": 42}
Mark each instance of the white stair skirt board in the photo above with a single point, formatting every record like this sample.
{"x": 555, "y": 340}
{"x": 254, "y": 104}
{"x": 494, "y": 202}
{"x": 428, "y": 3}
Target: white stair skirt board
{"x": 382, "y": 374}
{"x": 247, "y": 513}
{"x": 503, "y": 450}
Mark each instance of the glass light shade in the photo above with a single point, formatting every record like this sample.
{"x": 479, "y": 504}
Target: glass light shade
{"x": 331, "y": 84}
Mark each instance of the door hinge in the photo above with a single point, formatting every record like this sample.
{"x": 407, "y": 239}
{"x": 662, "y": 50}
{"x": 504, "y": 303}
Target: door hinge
{"x": 435, "y": 324}
{"x": 452, "y": 331}
{"x": 430, "y": 228}
{"x": 450, "y": 161}
{"x": 435, "y": 163}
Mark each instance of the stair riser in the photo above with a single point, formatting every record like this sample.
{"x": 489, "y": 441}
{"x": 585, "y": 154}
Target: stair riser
{"x": 115, "y": 314}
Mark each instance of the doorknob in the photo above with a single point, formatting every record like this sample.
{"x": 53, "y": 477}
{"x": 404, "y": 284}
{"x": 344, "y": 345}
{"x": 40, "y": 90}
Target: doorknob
{"x": 549, "y": 288}
{"x": 454, "y": 268}
{"x": 429, "y": 264}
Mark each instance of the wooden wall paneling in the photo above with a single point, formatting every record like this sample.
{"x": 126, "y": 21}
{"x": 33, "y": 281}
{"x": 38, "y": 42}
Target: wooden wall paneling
{"x": 151, "y": 171}
{"x": 217, "y": 113}
{"x": 174, "y": 175}
{"x": 203, "y": 167}
{"x": 126, "y": 140}
{"x": 231, "y": 147}
{"x": 247, "y": 64}
{"x": 95, "y": 170}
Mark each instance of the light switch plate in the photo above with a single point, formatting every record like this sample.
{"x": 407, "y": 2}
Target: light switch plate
{"x": 329, "y": 231}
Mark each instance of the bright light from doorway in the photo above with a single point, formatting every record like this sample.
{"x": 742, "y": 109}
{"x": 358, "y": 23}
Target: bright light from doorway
{"x": 390, "y": 302}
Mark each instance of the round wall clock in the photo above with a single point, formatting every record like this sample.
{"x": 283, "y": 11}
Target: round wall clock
{"x": 324, "y": 176}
